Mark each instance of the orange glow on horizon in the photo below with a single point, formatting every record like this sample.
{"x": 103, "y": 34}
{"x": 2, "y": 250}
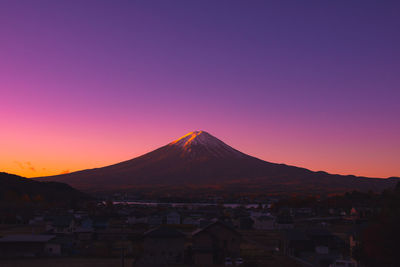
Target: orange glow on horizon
{"x": 35, "y": 164}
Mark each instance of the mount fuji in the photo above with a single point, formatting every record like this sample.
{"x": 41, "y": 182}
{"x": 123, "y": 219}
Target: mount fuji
{"x": 200, "y": 160}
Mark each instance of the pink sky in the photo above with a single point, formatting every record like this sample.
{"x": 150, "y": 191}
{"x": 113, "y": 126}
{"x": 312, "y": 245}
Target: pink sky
{"x": 85, "y": 85}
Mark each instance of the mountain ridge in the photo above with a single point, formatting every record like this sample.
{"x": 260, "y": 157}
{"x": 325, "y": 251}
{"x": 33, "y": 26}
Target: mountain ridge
{"x": 18, "y": 188}
{"x": 199, "y": 159}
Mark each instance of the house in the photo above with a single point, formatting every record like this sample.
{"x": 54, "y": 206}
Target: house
{"x": 191, "y": 221}
{"x": 84, "y": 234}
{"x": 100, "y": 223}
{"x": 86, "y": 223}
{"x": 361, "y": 213}
{"x": 154, "y": 220}
{"x": 163, "y": 246}
{"x": 317, "y": 246}
{"x": 37, "y": 220}
{"x": 303, "y": 211}
{"x": 284, "y": 221}
{"x": 246, "y": 223}
{"x": 204, "y": 222}
{"x": 354, "y": 237}
{"x": 324, "y": 241}
{"x": 263, "y": 223}
{"x": 343, "y": 263}
{"x": 173, "y": 218}
{"x": 63, "y": 225}
{"x": 136, "y": 218}
{"x": 115, "y": 234}
{"x": 62, "y": 245}
{"x": 213, "y": 243}
{"x": 259, "y": 214}
{"x": 80, "y": 214}
{"x": 16, "y": 246}
{"x": 296, "y": 242}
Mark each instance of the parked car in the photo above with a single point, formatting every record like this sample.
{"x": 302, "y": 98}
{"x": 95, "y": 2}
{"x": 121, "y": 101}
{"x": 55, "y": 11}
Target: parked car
{"x": 239, "y": 261}
{"x": 228, "y": 261}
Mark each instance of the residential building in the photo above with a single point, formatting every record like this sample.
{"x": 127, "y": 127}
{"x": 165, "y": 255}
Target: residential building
{"x": 213, "y": 243}
{"x": 163, "y": 246}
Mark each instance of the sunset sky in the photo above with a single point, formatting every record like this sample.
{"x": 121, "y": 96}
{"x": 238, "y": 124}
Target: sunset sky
{"x": 85, "y": 84}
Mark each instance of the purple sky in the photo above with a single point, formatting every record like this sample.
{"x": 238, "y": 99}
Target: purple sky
{"x": 310, "y": 83}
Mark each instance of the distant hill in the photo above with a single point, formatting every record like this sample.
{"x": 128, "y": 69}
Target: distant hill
{"x": 14, "y": 188}
{"x": 199, "y": 160}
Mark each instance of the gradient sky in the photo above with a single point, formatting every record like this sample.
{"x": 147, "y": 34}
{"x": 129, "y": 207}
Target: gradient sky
{"x": 86, "y": 84}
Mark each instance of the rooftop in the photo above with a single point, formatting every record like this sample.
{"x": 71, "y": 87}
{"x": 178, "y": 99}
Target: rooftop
{"x": 164, "y": 232}
{"x": 26, "y": 238}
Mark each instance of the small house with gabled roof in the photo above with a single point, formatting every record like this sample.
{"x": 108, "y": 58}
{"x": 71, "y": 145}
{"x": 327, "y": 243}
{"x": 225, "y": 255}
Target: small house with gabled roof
{"x": 213, "y": 243}
{"x": 163, "y": 246}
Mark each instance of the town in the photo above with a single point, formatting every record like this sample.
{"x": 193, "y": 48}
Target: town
{"x": 285, "y": 231}
{"x": 199, "y": 133}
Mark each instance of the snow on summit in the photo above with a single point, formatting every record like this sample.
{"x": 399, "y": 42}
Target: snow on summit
{"x": 196, "y": 138}
{"x": 206, "y": 141}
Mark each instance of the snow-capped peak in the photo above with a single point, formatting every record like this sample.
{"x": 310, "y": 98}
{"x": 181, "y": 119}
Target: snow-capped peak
{"x": 205, "y": 140}
{"x": 195, "y": 138}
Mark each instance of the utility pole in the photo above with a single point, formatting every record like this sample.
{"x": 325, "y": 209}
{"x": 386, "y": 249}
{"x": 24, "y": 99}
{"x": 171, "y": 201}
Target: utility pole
{"x": 123, "y": 257}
